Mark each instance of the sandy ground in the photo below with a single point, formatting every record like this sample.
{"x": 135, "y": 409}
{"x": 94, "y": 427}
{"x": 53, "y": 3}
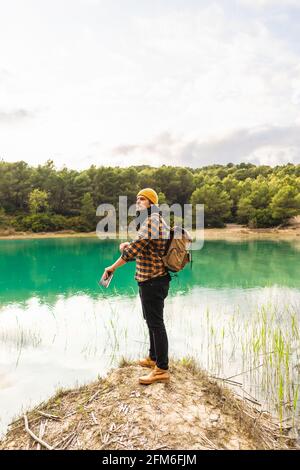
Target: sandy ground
{"x": 230, "y": 232}
{"x": 192, "y": 411}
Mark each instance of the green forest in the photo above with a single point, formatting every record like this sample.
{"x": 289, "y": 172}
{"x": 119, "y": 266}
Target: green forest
{"x": 45, "y": 198}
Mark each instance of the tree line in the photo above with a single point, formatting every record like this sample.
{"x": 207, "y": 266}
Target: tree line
{"x": 44, "y": 198}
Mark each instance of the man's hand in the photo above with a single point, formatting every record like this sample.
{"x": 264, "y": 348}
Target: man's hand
{"x": 108, "y": 271}
{"x": 123, "y": 245}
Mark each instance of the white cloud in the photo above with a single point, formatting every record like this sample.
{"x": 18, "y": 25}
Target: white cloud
{"x": 96, "y": 74}
{"x": 260, "y": 145}
{"x": 269, "y": 3}
{"x": 15, "y": 116}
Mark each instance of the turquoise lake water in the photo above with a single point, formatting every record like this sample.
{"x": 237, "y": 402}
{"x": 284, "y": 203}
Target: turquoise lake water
{"x": 58, "y": 328}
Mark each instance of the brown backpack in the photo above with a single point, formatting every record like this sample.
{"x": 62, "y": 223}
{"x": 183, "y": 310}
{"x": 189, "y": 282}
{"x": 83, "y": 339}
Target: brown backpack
{"x": 177, "y": 253}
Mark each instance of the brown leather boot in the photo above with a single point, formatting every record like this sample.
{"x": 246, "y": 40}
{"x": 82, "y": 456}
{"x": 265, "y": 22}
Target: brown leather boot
{"x": 156, "y": 375}
{"x": 147, "y": 362}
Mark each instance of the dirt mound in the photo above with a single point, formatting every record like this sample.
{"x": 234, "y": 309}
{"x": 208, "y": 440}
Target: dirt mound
{"x": 192, "y": 411}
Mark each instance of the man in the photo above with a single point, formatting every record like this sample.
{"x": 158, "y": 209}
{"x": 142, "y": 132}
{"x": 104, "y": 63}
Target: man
{"x": 153, "y": 280}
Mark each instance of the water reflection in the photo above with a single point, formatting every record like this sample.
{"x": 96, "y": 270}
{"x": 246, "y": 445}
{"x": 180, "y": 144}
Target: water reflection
{"x": 48, "y": 268}
{"x": 59, "y": 328}
{"x": 79, "y": 337}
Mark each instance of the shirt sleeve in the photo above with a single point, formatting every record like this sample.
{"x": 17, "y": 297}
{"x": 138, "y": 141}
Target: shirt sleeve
{"x": 149, "y": 230}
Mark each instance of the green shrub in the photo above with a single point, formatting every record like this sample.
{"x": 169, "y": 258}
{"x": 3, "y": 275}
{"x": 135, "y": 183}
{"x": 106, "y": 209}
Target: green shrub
{"x": 2, "y": 217}
{"x": 262, "y": 218}
{"x": 45, "y": 222}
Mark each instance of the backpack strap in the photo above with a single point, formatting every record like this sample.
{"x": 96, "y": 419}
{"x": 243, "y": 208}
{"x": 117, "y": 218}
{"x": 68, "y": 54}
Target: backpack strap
{"x": 169, "y": 240}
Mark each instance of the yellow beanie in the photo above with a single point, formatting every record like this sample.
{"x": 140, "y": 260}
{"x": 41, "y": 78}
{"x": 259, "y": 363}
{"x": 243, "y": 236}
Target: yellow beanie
{"x": 150, "y": 194}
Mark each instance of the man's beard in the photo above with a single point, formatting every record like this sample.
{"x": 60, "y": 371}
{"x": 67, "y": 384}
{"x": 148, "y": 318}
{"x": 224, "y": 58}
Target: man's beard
{"x": 142, "y": 214}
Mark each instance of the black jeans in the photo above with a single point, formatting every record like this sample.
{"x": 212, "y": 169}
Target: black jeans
{"x": 153, "y": 293}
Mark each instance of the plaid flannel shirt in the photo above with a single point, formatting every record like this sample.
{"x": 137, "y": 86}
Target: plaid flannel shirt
{"x": 148, "y": 247}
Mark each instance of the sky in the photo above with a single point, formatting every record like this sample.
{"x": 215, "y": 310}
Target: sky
{"x": 132, "y": 82}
